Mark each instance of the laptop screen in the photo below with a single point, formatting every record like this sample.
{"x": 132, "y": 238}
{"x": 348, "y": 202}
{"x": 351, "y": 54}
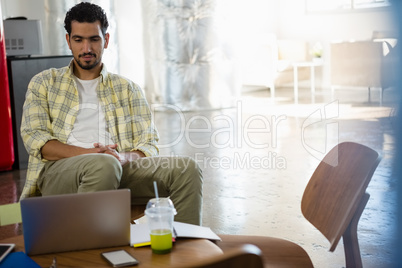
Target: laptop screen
{"x": 73, "y": 222}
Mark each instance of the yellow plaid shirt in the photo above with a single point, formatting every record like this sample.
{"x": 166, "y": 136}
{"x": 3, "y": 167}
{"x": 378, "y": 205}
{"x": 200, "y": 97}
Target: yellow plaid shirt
{"x": 51, "y": 107}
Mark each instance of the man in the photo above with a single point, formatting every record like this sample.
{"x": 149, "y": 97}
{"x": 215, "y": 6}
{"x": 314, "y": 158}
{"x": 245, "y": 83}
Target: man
{"x": 89, "y": 130}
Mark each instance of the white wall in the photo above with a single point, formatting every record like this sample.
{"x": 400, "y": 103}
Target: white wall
{"x": 359, "y": 25}
{"x": 295, "y": 23}
{"x": 129, "y": 20}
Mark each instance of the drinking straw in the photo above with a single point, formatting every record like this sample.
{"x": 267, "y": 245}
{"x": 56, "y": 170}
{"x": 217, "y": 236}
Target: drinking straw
{"x": 156, "y": 190}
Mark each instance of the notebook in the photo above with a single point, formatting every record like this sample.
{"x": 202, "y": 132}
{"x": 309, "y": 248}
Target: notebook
{"x": 73, "y": 222}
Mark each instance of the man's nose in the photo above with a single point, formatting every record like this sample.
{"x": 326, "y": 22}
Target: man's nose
{"x": 87, "y": 45}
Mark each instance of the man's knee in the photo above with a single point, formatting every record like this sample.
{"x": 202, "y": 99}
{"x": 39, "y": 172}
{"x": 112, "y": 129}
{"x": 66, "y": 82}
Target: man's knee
{"x": 102, "y": 173}
{"x": 188, "y": 197}
{"x": 189, "y": 173}
{"x": 189, "y": 167}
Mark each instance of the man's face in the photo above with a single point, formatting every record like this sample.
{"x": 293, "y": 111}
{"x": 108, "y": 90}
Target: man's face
{"x": 87, "y": 44}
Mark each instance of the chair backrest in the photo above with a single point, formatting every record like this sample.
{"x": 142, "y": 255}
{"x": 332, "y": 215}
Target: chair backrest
{"x": 336, "y": 188}
{"x": 242, "y": 256}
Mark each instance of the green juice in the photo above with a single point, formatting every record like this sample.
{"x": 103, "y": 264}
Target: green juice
{"x": 161, "y": 241}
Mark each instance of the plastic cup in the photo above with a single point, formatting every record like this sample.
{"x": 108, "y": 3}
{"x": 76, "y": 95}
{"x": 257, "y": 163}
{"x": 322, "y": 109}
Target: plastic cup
{"x": 160, "y": 213}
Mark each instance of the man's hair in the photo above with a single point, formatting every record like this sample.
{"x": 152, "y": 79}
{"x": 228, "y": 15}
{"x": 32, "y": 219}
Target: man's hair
{"x": 86, "y": 12}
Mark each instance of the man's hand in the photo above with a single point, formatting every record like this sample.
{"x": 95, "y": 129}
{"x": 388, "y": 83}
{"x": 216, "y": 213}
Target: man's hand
{"x": 110, "y": 149}
{"x": 133, "y": 155}
{"x": 55, "y": 150}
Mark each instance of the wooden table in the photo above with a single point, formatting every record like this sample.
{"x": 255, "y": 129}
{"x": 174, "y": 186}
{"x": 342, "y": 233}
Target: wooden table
{"x": 184, "y": 252}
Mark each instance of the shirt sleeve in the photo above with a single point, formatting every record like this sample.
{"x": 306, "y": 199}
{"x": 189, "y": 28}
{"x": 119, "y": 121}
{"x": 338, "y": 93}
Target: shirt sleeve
{"x": 146, "y": 135}
{"x": 35, "y": 124}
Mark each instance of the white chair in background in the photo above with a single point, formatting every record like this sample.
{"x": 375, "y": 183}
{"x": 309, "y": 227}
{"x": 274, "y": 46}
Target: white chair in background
{"x": 366, "y": 64}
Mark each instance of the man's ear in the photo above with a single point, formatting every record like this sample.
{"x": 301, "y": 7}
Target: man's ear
{"x": 68, "y": 40}
{"x": 106, "y": 40}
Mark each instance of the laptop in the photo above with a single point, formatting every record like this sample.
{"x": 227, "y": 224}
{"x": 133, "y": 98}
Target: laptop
{"x": 73, "y": 222}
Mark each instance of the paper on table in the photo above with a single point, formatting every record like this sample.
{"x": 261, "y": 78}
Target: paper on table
{"x": 141, "y": 220}
{"x": 194, "y": 231}
{"x": 140, "y": 232}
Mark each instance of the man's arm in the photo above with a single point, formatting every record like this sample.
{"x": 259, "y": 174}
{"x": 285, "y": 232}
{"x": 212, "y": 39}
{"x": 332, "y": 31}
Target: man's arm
{"x": 56, "y": 150}
{"x": 145, "y": 134}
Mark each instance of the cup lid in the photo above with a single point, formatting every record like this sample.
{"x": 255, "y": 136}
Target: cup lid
{"x": 161, "y": 202}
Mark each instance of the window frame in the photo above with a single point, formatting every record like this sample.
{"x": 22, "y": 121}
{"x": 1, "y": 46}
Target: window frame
{"x": 347, "y": 6}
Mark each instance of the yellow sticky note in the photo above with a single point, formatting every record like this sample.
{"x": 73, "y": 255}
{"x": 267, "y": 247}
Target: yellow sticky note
{"x": 10, "y": 214}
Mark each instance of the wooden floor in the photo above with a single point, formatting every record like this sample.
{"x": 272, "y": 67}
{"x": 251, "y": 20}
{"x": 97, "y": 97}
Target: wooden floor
{"x": 258, "y": 155}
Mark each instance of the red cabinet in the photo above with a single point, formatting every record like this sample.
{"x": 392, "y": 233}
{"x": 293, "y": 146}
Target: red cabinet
{"x": 6, "y": 130}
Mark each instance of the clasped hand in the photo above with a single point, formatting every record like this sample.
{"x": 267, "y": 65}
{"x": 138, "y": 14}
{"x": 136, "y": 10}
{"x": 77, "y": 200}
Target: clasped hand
{"x": 110, "y": 149}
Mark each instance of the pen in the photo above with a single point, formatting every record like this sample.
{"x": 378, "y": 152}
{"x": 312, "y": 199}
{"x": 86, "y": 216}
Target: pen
{"x": 142, "y": 244}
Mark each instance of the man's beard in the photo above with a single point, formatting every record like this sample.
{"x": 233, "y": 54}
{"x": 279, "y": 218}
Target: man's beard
{"x": 90, "y": 66}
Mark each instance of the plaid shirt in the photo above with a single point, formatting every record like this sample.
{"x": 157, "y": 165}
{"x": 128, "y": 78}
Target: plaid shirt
{"x": 51, "y": 107}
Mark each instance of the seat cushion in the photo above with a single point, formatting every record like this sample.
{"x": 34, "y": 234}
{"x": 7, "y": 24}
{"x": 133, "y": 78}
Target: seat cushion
{"x": 275, "y": 252}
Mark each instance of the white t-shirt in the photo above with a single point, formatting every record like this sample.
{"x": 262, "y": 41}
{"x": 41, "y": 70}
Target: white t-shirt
{"x": 90, "y": 124}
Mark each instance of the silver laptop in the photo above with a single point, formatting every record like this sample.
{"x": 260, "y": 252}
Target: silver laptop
{"x": 76, "y": 221}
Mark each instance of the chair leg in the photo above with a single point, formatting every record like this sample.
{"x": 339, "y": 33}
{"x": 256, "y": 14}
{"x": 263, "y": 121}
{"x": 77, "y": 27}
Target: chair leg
{"x": 381, "y": 95}
{"x": 272, "y": 89}
{"x": 350, "y": 239}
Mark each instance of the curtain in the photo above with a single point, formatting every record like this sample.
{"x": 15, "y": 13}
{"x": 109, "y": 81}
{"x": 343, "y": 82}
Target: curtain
{"x": 188, "y": 61}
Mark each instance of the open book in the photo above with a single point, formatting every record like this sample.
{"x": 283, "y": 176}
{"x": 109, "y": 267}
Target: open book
{"x": 140, "y": 233}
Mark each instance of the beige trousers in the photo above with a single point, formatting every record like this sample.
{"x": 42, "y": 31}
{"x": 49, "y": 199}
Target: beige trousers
{"x": 177, "y": 177}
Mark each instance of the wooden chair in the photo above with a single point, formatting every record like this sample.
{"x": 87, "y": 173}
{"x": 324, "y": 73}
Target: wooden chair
{"x": 243, "y": 256}
{"x": 333, "y": 202}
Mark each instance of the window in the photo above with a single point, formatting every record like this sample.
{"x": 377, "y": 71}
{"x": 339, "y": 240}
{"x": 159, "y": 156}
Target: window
{"x": 370, "y": 3}
{"x": 333, "y": 5}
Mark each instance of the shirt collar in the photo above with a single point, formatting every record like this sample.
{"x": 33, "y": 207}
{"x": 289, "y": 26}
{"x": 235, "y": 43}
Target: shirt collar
{"x": 103, "y": 73}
